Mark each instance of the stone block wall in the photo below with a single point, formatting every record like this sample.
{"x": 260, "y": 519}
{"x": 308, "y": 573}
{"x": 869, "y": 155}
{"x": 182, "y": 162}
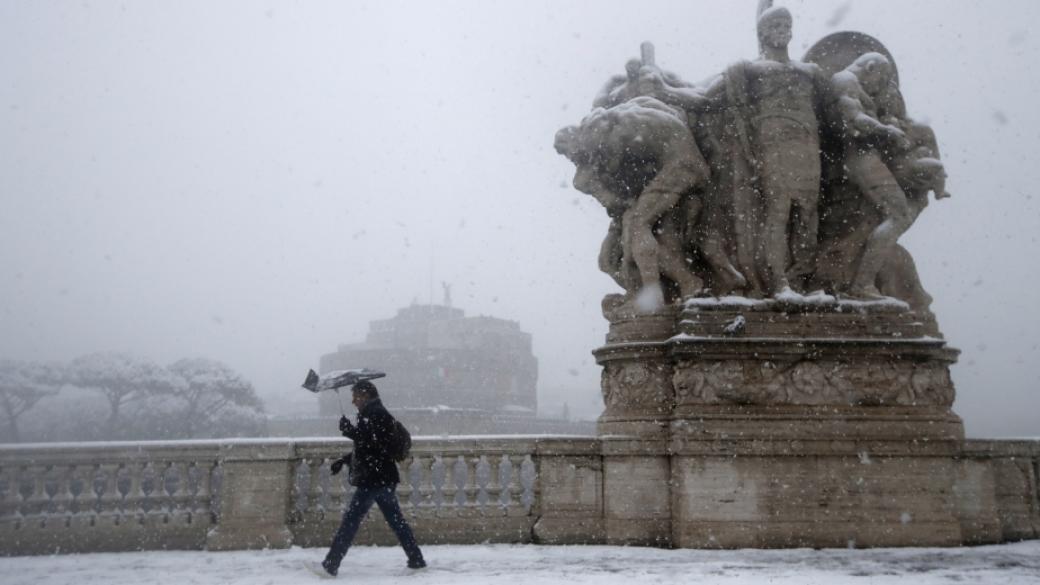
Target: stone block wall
{"x": 998, "y": 499}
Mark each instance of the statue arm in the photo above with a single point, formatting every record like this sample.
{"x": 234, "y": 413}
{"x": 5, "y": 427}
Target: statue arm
{"x": 611, "y": 254}
{"x": 715, "y": 93}
{"x": 674, "y": 80}
{"x": 687, "y": 97}
{"x": 856, "y": 119}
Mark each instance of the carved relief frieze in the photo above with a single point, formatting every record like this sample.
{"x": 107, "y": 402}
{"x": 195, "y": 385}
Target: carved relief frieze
{"x": 637, "y": 385}
{"x": 813, "y": 382}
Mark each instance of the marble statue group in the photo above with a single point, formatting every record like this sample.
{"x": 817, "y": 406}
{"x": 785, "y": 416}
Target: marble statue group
{"x": 776, "y": 178}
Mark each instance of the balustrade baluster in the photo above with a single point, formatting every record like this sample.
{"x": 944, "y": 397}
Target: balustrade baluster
{"x": 76, "y": 488}
{"x": 181, "y": 497}
{"x": 35, "y": 504}
{"x": 314, "y": 491}
{"x": 469, "y": 487}
{"x": 51, "y": 474}
{"x": 62, "y": 499}
{"x": 412, "y": 475}
{"x": 109, "y": 499}
{"x": 450, "y": 487}
{"x": 133, "y": 502}
{"x": 494, "y": 483}
{"x": 439, "y": 481}
{"x": 158, "y": 498}
{"x": 203, "y": 508}
{"x": 423, "y": 497}
{"x": 12, "y": 503}
{"x": 404, "y": 489}
{"x": 482, "y": 474}
{"x": 89, "y": 500}
{"x": 514, "y": 488}
{"x": 528, "y": 478}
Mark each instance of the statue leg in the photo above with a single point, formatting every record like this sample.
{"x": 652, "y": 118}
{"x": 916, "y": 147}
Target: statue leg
{"x": 877, "y": 184}
{"x": 805, "y": 224}
{"x": 671, "y": 259}
{"x": 774, "y": 235}
{"x": 638, "y": 228}
{"x": 747, "y": 216}
{"x": 705, "y": 229}
{"x": 611, "y": 255}
{"x": 789, "y": 161}
{"x": 725, "y": 277}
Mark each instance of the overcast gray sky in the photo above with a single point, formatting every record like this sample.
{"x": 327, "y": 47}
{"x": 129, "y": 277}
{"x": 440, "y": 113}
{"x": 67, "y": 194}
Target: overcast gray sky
{"x": 254, "y": 181}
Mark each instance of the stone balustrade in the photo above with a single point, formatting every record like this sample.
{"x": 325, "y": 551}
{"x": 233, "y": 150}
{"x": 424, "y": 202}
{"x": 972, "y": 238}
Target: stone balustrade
{"x": 224, "y": 495}
{"x": 447, "y": 487}
{"x": 107, "y": 496}
{"x": 256, "y": 493}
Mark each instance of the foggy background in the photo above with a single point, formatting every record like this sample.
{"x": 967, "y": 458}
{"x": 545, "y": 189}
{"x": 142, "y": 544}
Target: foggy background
{"x": 253, "y": 182}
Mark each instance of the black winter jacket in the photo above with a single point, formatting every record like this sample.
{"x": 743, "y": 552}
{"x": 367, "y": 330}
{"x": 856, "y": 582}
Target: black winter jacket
{"x": 373, "y": 466}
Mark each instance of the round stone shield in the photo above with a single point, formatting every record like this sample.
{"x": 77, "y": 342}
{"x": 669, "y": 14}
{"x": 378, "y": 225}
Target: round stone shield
{"x": 837, "y": 51}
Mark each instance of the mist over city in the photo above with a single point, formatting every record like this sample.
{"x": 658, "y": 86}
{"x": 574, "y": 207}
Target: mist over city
{"x": 250, "y": 184}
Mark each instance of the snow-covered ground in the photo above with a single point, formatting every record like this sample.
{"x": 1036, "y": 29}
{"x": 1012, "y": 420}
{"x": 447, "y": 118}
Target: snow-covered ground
{"x": 1009, "y": 564}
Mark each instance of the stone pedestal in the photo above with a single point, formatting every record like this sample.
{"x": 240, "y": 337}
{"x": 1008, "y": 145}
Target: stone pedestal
{"x": 637, "y": 506}
{"x": 570, "y": 488}
{"x": 254, "y": 498}
{"x": 767, "y": 424}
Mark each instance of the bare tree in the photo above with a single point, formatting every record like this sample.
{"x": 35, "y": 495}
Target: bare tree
{"x": 22, "y": 385}
{"x": 214, "y": 396}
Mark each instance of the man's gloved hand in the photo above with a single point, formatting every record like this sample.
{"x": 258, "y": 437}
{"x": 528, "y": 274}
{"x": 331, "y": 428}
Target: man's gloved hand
{"x": 345, "y": 425}
{"x": 337, "y": 466}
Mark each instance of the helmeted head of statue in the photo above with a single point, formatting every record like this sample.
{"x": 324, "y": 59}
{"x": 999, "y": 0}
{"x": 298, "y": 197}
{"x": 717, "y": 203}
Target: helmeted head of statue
{"x": 774, "y": 27}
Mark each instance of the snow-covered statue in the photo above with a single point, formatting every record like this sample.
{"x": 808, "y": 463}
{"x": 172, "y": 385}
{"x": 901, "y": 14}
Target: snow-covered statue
{"x": 771, "y": 157}
{"x": 640, "y": 161}
{"x": 880, "y": 166}
{"x": 866, "y": 142}
{"x": 772, "y": 327}
{"x": 815, "y": 171}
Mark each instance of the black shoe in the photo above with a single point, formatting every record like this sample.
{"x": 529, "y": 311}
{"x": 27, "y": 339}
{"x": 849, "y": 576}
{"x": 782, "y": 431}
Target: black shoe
{"x": 319, "y": 569}
{"x": 416, "y": 564}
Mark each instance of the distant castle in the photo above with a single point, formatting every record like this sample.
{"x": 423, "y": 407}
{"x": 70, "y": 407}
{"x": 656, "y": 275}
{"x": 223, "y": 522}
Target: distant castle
{"x": 447, "y": 374}
{"x": 437, "y": 358}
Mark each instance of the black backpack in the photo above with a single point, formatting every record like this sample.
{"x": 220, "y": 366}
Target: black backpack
{"x": 400, "y": 442}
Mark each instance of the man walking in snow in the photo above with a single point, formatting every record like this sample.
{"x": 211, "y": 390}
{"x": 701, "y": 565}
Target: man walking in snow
{"x": 374, "y": 473}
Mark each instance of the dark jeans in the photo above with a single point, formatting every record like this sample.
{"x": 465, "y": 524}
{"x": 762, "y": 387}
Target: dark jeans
{"x": 386, "y": 499}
